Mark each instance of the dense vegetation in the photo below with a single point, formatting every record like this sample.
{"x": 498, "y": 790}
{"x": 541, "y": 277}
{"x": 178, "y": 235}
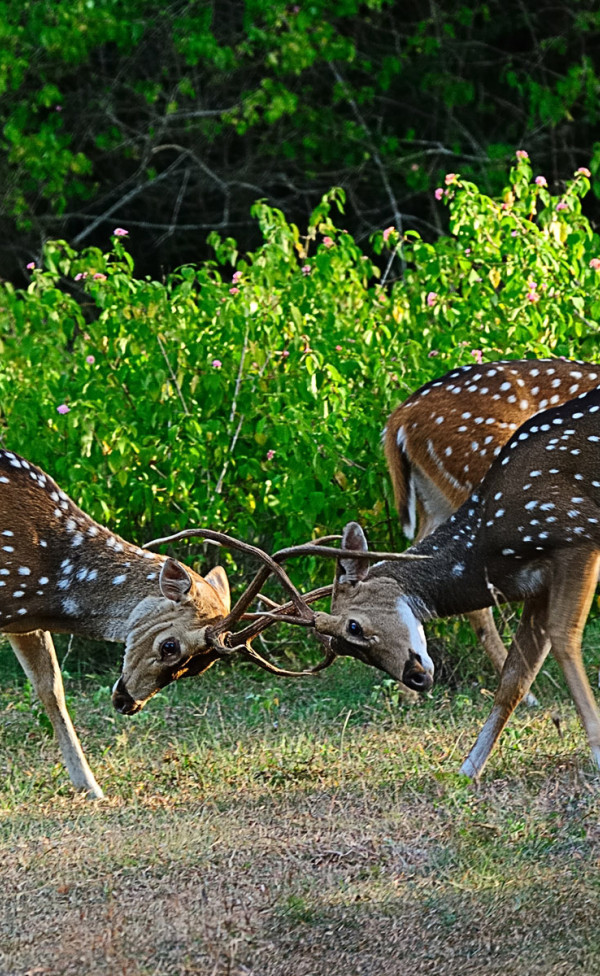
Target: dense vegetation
{"x": 249, "y": 392}
{"x": 174, "y": 118}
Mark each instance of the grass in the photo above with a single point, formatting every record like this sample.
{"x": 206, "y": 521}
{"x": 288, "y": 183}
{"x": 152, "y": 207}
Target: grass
{"x": 280, "y": 828}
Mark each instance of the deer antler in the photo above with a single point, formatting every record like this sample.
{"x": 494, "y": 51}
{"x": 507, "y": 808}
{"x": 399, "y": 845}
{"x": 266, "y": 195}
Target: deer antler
{"x": 220, "y": 636}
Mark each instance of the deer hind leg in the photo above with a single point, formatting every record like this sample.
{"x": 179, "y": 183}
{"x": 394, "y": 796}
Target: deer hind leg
{"x": 37, "y": 657}
{"x": 525, "y": 657}
{"x": 572, "y": 595}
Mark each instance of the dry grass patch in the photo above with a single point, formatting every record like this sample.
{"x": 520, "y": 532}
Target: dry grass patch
{"x": 300, "y": 830}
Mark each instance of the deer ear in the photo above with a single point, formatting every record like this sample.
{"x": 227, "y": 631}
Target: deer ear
{"x": 352, "y": 570}
{"x": 175, "y": 581}
{"x": 218, "y": 580}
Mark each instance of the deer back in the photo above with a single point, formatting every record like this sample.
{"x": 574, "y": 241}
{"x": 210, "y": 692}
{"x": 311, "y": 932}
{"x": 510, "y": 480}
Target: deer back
{"x": 441, "y": 441}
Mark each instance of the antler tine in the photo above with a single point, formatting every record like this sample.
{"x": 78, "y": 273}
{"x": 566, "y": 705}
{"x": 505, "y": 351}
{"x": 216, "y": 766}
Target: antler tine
{"x": 330, "y": 552}
{"x": 248, "y": 651}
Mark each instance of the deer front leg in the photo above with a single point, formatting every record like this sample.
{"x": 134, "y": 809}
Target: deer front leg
{"x": 525, "y": 657}
{"x": 482, "y": 622}
{"x": 37, "y": 657}
{"x": 572, "y": 595}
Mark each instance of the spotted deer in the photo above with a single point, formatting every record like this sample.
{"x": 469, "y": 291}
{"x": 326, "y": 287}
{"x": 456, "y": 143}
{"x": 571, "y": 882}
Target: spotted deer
{"x": 62, "y": 572}
{"x": 530, "y": 532}
{"x": 441, "y": 441}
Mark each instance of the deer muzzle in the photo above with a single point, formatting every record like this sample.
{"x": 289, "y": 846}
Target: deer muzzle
{"x": 415, "y": 676}
{"x": 122, "y": 700}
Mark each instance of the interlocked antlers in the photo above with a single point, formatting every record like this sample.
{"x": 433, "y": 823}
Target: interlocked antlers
{"x": 296, "y": 611}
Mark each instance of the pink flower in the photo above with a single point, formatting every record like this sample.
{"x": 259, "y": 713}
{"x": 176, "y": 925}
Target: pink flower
{"x": 90, "y": 359}
{"x": 583, "y": 171}
{"x": 31, "y": 266}
{"x": 338, "y": 348}
{"x": 415, "y": 167}
{"x": 63, "y": 408}
{"x": 439, "y": 193}
{"x": 522, "y": 154}
{"x": 431, "y": 298}
{"x": 120, "y": 232}
{"x": 285, "y": 353}
{"x": 387, "y": 232}
{"x": 270, "y": 455}
{"x": 328, "y": 241}
{"x": 434, "y": 352}
{"x": 532, "y": 296}
{"x": 234, "y": 291}
{"x": 561, "y": 205}
{"x": 99, "y": 277}
{"x": 541, "y": 181}
{"x": 82, "y": 274}
{"x": 467, "y": 250}
{"x": 216, "y": 364}
{"x": 595, "y": 264}
{"x": 306, "y": 269}
{"x": 236, "y": 276}
{"x": 450, "y": 178}
{"x": 477, "y": 355}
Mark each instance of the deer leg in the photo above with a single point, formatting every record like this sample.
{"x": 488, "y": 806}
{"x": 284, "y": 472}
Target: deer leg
{"x": 572, "y": 596}
{"x": 37, "y": 657}
{"x": 525, "y": 657}
{"x": 482, "y": 622}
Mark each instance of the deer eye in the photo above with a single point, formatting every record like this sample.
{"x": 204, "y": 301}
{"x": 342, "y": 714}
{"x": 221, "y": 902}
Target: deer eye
{"x": 354, "y": 628}
{"x": 169, "y": 649}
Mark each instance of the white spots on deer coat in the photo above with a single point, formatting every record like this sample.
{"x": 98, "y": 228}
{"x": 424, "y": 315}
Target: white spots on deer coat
{"x": 119, "y": 579}
{"x": 24, "y": 571}
{"x": 8, "y": 548}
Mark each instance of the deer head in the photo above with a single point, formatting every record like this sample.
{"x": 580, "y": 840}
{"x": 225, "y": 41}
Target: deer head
{"x": 371, "y": 619}
{"x": 167, "y": 634}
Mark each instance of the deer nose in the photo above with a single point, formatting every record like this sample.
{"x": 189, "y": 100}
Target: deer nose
{"x": 415, "y": 676}
{"x": 122, "y": 700}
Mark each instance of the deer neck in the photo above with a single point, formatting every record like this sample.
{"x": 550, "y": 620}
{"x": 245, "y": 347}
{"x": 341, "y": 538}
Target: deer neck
{"x": 452, "y": 579}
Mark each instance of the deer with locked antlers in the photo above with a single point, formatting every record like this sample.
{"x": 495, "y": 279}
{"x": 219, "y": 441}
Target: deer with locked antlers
{"x": 530, "y": 532}
{"x": 62, "y": 572}
{"x": 441, "y": 441}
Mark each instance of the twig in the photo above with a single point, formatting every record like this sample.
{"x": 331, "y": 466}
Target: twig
{"x": 173, "y": 377}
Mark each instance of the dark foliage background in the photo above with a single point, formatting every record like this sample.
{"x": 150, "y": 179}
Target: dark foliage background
{"x": 172, "y": 119}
